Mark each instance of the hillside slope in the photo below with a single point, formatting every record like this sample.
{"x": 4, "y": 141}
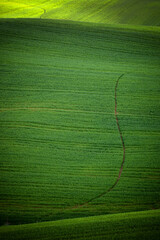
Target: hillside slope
{"x": 139, "y": 225}
{"x": 135, "y": 12}
{"x": 59, "y": 142}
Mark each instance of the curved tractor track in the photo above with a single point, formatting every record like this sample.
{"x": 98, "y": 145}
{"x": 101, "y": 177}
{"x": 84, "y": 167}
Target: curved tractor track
{"x": 122, "y": 164}
{"x": 44, "y": 12}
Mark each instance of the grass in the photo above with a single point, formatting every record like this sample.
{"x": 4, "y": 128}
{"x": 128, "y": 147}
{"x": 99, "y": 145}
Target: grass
{"x": 143, "y": 12}
{"x": 60, "y": 145}
{"x": 138, "y": 225}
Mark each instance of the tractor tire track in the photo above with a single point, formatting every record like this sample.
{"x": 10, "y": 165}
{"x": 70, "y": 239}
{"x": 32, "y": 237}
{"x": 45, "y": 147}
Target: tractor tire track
{"x": 123, "y": 161}
{"x": 44, "y": 12}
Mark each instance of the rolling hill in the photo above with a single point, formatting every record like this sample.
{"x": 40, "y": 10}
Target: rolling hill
{"x": 79, "y": 119}
{"x": 135, "y": 12}
{"x": 111, "y": 227}
{"x": 60, "y": 145}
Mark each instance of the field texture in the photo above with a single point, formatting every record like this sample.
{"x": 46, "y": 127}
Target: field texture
{"x": 143, "y": 12}
{"x": 60, "y": 145}
{"x": 139, "y": 225}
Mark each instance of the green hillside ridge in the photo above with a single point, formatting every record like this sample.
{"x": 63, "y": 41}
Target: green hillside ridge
{"x": 59, "y": 141}
{"x": 135, "y": 12}
{"x": 139, "y": 225}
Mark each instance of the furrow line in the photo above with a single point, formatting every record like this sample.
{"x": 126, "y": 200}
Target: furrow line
{"x": 123, "y": 145}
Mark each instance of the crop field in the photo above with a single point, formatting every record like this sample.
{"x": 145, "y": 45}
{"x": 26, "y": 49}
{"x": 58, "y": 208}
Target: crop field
{"x": 144, "y": 12}
{"x": 111, "y": 227}
{"x": 79, "y": 119}
{"x": 60, "y": 145}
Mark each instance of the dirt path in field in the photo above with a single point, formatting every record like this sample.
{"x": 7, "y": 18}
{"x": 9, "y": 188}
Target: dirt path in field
{"x": 43, "y": 13}
{"x": 121, "y": 168}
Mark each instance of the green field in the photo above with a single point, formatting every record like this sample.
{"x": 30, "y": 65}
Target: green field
{"x": 74, "y": 96}
{"x": 145, "y": 12}
{"x": 139, "y": 225}
{"x": 60, "y": 146}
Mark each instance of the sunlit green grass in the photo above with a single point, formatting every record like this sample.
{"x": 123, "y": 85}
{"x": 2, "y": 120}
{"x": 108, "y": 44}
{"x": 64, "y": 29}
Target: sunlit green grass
{"x": 142, "y": 12}
{"x": 139, "y": 225}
